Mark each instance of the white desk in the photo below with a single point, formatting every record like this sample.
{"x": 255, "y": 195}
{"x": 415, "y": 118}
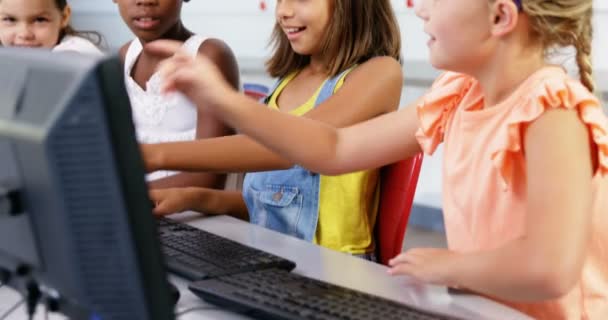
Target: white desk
{"x": 323, "y": 264}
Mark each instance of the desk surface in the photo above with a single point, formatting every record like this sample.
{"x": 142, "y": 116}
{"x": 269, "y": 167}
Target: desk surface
{"x": 320, "y": 263}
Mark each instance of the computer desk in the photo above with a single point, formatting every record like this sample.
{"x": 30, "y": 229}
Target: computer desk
{"x": 315, "y": 262}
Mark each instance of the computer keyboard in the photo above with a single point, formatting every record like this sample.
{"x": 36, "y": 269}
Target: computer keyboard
{"x": 196, "y": 254}
{"x": 278, "y": 294}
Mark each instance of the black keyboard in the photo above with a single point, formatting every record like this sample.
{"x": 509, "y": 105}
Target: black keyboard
{"x": 196, "y": 254}
{"x": 278, "y": 294}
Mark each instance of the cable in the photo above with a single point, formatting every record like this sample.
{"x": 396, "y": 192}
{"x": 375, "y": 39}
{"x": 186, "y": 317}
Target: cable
{"x": 12, "y": 309}
{"x": 183, "y": 312}
{"x": 5, "y": 277}
{"x": 32, "y": 298}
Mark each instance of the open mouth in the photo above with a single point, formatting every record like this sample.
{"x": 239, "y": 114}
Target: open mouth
{"x": 146, "y": 22}
{"x": 293, "y": 32}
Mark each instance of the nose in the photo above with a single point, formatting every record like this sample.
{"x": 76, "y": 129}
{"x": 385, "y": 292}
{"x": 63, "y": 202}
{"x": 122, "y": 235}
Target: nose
{"x": 422, "y": 9}
{"x": 284, "y": 9}
{"x": 24, "y": 32}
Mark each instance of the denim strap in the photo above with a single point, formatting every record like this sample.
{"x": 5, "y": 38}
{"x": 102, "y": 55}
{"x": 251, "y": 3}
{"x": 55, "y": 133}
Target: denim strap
{"x": 329, "y": 87}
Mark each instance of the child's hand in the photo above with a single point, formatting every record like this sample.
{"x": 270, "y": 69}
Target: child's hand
{"x": 198, "y": 78}
{"x": 427, "y": 265}
{"x": 173, "y": 200}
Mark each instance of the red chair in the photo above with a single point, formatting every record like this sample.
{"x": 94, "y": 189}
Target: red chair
{"x": 397, "y": 189}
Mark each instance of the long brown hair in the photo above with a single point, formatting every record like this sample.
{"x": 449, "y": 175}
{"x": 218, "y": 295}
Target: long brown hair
{"x": 92, "y": 36}
{"x": 565, "y": 23}
{"x": 358, "y": 30}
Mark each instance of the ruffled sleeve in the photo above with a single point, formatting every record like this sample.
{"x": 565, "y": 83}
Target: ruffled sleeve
{"x": 437, "y": 106}
{"x": 552, "y": 93}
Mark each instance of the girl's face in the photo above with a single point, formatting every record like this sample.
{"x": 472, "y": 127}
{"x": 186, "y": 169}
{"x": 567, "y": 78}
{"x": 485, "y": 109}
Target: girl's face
{"x": 304, "y": 22}
{"x": 150, "y": 20}
{"x": 460, "y": 32}
{"x": 31, "y": 23}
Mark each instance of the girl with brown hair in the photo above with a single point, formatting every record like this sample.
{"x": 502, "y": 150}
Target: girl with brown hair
{"x": 338, "y": 62}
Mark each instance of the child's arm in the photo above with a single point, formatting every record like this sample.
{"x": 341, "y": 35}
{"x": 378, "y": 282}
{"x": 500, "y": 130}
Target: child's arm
{"x": 240, "y": 153}
{"x": 311, "y": 143}
{"x": 547, "y": 261}
{"x": 326, "y": 149}
{"x": 208, "y": 126}
{"x": 236, "y": 153}
{"x": 372, "y": 89}
{"x": 204, "y": 200}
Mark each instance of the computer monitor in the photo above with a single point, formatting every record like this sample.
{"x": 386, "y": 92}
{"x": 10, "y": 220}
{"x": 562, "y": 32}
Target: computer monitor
{"x": 76, "y": 224}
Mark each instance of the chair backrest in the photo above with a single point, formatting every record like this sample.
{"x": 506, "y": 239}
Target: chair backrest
{"x": 397, "y": 189}
{"x": 255, "y": 90}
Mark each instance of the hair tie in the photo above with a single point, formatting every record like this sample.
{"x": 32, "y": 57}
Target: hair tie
{"x": 518, "y": 4}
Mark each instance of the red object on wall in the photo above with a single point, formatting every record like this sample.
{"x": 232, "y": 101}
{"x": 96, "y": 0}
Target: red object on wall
{"x": 263, "y": 5}
{"x": 409, "y": 3}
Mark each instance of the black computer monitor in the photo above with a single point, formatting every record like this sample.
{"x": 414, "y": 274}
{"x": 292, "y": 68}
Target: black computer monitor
{"x": 75, "y": 218}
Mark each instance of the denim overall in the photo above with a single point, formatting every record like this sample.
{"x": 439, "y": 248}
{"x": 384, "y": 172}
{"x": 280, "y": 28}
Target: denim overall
{"x": 287, "y": 201}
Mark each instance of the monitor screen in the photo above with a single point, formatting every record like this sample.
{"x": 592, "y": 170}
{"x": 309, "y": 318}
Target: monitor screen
{"x": 75, "y": 217}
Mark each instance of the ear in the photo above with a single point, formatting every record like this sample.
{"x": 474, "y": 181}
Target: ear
{"x": 65, "y": 16}
{"x": 505, "y": 16}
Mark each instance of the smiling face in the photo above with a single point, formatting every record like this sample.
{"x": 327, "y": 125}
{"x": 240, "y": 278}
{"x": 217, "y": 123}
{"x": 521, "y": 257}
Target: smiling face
{"x": 304, "y": 23}
{"x": 150, "y": 20}
{"x": 31, "y": 23}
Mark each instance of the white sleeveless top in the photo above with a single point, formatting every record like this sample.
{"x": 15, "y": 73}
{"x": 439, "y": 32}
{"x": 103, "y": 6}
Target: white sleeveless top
{"x": 159, "y": 118}
{"x": 77, "y": 44}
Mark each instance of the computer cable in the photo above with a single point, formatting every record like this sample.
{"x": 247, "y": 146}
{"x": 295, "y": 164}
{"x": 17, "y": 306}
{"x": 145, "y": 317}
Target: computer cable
{"x": 12, "y": 309}
{"x": 183, "y": 312}
{"x": 32, "y": 298}
{"x": 32, "y": 293}
{"x": 5, "y": 276}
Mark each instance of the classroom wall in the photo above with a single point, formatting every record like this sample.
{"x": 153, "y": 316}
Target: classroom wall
{"x": 246, "y": 28}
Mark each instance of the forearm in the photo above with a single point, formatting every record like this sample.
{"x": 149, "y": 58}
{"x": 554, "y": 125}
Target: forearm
{"x": 304, "y": 141}
{"x": 190, "y": 179}
{"x": 512, "y": 272}
{"x": 220, "y": 155}
{"x": 220, "y": 202}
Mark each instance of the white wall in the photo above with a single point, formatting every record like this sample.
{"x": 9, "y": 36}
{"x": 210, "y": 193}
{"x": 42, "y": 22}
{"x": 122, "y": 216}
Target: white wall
{"x": 245, "y": 27}
{"x": 241, "y": 23}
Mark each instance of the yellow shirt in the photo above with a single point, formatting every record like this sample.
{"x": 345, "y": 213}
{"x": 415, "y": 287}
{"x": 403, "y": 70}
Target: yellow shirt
{"x": 348, "y": 203}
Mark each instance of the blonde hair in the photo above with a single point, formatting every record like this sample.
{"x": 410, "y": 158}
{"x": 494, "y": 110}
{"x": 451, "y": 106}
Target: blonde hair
{"x": 358, "y": 31}
{"x": 561, "y": 23}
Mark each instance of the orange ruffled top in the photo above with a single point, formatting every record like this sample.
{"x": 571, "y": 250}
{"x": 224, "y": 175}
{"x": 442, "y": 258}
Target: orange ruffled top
{"x": 484, "y": 172}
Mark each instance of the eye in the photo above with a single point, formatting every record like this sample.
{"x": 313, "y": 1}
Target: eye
{"x": 41, "y": 20}
{"x": 8, "y": 20}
